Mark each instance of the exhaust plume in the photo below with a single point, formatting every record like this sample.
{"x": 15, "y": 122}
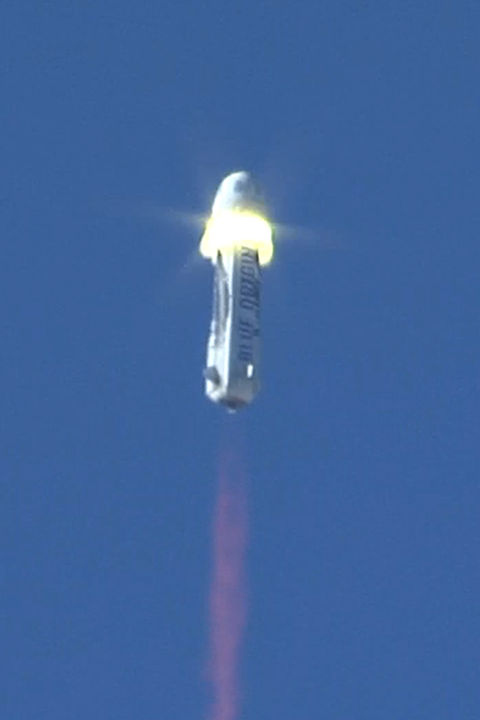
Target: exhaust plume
{"x": 228, "y": 593}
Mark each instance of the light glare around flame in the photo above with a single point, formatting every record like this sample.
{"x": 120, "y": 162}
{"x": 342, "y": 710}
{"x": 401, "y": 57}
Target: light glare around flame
{"x": 229, "y": 230}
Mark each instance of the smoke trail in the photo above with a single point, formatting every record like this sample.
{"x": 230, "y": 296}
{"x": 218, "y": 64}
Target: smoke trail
{"x": 228, "y": 602}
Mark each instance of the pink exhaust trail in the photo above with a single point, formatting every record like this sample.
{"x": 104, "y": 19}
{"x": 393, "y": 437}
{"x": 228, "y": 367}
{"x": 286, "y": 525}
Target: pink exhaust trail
{"x": 228, "y": 594}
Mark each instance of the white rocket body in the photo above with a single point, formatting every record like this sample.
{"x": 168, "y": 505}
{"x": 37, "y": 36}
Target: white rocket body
{"x": 233, "y": 350}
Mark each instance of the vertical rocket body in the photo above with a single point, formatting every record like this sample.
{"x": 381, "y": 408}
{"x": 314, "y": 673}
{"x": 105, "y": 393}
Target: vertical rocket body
{"x": 233, "y": 351}
{"x": 232, "y": 373}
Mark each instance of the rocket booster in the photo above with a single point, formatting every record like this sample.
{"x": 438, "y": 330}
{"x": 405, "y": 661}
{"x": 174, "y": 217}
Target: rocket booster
{"x": 238, "y": 241}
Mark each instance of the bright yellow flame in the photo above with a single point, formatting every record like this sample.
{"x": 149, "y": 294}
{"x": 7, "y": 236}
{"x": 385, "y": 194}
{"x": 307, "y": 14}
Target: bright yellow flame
{"x": 230, "y": 230}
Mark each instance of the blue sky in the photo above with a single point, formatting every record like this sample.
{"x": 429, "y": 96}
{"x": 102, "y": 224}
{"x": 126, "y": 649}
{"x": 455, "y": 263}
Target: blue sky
{"x": 361, "y": 121}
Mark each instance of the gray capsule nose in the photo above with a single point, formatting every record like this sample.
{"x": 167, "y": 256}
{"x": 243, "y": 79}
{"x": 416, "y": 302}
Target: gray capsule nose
{"x": 242, "y": 181}
{"x": 244, "y": 188}
{"x": 239, "y": 183}
{"x": 238, "y": 191}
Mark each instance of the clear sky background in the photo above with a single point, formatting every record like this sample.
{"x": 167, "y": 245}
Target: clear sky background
{"x": 361, "y": 120}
